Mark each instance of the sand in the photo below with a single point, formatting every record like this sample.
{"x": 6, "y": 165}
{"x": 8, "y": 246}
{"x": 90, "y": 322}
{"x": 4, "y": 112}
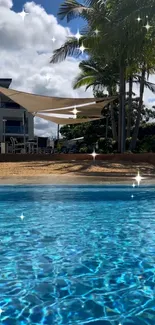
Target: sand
{"x": 45, "y": 172}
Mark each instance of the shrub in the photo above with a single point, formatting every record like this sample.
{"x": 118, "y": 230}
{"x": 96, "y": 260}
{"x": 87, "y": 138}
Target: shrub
{"x": 105, "y": 145}
{"x": 147, "y": 144}
{"x": 83, "y": 150}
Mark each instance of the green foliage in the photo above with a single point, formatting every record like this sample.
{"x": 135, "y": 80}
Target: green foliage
{"x": 105, "y": 145}
{"x": 146, "y": 130}
{"x": 128, "y": 141}
{"x": 147, "y": 144}
{"x": 83, "y": 150}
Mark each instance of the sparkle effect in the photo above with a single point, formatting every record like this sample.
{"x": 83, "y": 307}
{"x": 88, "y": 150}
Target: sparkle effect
{"x": 138, "y": 178}
{"x": 96, "y": 31}
{"x": 133, "y": 185}
{"x": 94, "y": 154}
{"x": 138, "y": 19}
{"x": 147, "y": 26}
{"x": 53, "y": 39}
{"x": 75, "y": 111}
{"x": 22, "y": 217}
{"x": 1, "y": 311}
{"x": 78, "y": 35}
{"x": 82, "y": 48}
{"x": 23, "y": 14}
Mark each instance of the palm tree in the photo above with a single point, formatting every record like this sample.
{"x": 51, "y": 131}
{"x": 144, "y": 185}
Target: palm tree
{"x": 100, "y": 79}
{"x": 120, "y": 37}
{"x": 147, "y": 66}
{"x": 106, "y": 78}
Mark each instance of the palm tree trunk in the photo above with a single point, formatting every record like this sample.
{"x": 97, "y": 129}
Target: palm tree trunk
{"x": 113, "y": 122}
{"x": 121, "y": 120}
{"x": 136, "y": 128}
{"x": 106, "y": 131}
{"x": 129, "y": 107}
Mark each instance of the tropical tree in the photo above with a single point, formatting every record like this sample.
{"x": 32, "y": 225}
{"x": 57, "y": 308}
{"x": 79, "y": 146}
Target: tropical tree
{"x": 121, "y": 38}
{"x": 97, "y": 130}
{"x": 101, "y": 79}
{"x": 106, "y": 78}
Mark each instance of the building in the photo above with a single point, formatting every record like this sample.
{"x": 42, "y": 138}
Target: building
{"x": 13, "y": 117}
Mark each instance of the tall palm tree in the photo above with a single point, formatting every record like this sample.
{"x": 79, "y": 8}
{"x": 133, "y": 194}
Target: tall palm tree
{"x": 121, "y": 37}
{"x": 106, "y": 78}
{"x": 99, "y": 78}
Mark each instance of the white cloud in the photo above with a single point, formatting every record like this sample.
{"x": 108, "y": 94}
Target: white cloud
{"x": 25, "y": 51}
{"x": 6, "y": 3}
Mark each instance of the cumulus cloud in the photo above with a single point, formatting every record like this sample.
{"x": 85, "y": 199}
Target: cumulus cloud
{"x": 6, "y": 3}
{"x": 25, "y": 50}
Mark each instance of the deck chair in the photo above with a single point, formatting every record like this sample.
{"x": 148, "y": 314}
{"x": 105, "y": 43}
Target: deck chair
{"x": 16, "y": 146}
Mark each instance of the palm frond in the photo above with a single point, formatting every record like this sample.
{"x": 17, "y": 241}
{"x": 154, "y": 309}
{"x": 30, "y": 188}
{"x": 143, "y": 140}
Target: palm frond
{"x": 83, "y": 80}
{"x": 150, "y": 86}
{"x": 88, "y": 67}
{"x": 96, "y": 86}
{"x": 70, "y": 48}
{"x": 71, "y": 9}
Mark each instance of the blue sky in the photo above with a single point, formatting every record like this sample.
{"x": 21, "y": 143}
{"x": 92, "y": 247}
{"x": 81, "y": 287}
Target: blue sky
{"x": 51, "y": 7}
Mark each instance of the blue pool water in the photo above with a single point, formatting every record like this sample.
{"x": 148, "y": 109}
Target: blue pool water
{"x": 79, "y": 255}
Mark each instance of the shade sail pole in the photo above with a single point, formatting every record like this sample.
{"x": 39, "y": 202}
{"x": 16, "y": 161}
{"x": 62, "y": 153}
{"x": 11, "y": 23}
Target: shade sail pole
{"x": 24, "y": 135}
{"x": 58, "y": 131}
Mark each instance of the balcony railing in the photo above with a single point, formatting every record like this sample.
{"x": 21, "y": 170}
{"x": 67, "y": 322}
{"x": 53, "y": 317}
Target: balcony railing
{"x": 16, "y": 129}
{"x": 9, "y": 105}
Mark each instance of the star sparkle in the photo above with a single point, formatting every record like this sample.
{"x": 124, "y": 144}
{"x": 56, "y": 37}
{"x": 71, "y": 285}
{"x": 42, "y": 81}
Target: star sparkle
{"x": 1, "y": 311}
{"x": 78, "y": 35}
{"x": 22, "y": 216}
{"x": 82, "y": 48}
{"x": 53, "y": 39}
{"x": 147, "y": 26}
{"x": 94, "y": 154}
{"x": 138, "y": 178}
{"x": 133, "y": 185}
{"x": 96, "y": 31}
{"x": 132, "y": 196}
{"x": 75, "y": 111}
{"x": 23, "y": 14}
{"x": 138, "y": 19}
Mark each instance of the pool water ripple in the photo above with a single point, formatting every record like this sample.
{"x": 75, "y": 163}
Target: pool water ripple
{"x": 81, "y": 255}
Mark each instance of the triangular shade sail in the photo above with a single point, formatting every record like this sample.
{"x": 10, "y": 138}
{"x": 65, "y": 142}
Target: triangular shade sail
{"x": 93, "y": 110}
{"x": 36, "y": 103}
{"x": 65, "y": 121}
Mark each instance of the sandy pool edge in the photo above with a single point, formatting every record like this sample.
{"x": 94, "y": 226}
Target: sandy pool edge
{"x": 72, "y": 180}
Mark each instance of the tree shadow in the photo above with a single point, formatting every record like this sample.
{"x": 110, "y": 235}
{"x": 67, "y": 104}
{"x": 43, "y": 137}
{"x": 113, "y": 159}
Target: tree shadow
{"x": 95, "y": 168}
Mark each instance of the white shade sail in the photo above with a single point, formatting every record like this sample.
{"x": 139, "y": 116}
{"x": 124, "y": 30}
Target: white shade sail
{"x": 91, "y": 110}
{"x": 36, "y": 103}
{"x": 65, "y": 121}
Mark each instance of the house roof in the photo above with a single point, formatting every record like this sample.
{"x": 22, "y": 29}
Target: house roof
{"x": 5, "y": 82}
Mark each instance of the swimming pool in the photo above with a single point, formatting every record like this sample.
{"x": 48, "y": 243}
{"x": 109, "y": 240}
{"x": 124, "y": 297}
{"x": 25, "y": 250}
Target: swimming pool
{"x": 77, "y": 255}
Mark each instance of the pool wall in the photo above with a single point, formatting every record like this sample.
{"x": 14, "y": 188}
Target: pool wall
{"x": 126, "y": 157}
